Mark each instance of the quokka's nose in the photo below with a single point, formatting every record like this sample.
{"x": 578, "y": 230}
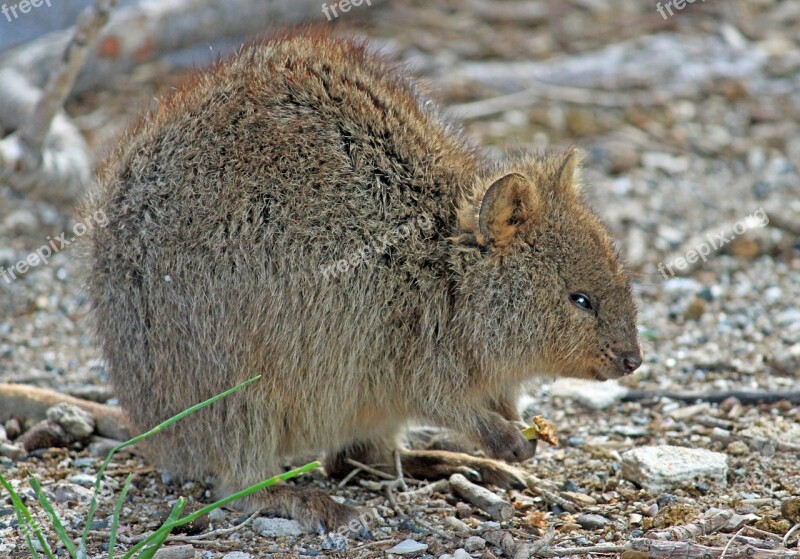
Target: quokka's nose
{"x": 629, "y": 362}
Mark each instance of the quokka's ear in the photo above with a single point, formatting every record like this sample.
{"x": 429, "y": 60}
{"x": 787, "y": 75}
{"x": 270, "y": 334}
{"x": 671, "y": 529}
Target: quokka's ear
{"x": 508, "y": 203}
{"x": 568, "y": 180}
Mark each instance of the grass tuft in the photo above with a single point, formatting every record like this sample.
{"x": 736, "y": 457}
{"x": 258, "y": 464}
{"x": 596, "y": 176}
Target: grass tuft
{"x": 150, "y": 545}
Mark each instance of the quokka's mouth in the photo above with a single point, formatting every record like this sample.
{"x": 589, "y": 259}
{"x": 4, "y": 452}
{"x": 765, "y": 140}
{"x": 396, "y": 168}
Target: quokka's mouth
{"x": 597, "y": 375}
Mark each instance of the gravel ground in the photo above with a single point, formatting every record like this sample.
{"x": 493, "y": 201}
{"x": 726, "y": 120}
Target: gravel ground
{"x": 700, "y": 139}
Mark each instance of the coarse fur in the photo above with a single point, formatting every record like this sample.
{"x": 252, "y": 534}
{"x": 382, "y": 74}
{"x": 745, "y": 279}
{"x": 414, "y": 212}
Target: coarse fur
{"x": 249, "y": 233}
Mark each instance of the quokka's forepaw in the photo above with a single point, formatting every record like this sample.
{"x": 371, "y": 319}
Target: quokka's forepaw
{"x": 503, "y": 440}
{"x": 501, "y": 474}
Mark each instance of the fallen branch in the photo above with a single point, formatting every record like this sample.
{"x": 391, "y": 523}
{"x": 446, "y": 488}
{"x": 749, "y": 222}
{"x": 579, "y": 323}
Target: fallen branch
{"x": 548, "y": 492}
{"x": 658, "y": 549}
{"x": 747, "y": 398}
{"x": 47, "y": 156}
{"x": 27, "y": 161}
{"x": 19, "y": 400}
{"x": 214, "y": 533}
{"x": 482, "y": 498}
{"x": 151, "y": 29}
{"x": 60, "y": 82}
{"x": 712, "y": 521}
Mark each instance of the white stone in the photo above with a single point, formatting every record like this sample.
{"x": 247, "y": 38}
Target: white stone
{"x": 474, "y": 543}
{"x": 457, "y": 554}
{"x": 595, "y": 395}
{"x": 84, "y": 480}
{"x": 407, "y": 547}
{"x": 217, "y": 515}
{"x": 277, "y": 527}
{"x": 683, "y": 286}
{"x": 237, "y": 555}
{"x": 73, "y": 419}
{"x": 11, "y": 451}
{"x": 662, "y": 468}
{"x": 456, "y": 525}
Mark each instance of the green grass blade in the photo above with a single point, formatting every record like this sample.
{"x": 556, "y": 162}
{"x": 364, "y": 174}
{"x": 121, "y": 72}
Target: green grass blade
{"x": 26, "y": 521}
{"x": 112, "y": 540}
{"x": 169, "y": 526}
{"x": 58, "y": 527}
{"x": 134, "y": 440}
{"x": 163, "y": 532}
{"x": 26, "y": 530}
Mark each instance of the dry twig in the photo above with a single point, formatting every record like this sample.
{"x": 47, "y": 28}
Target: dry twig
{"x": 482, "y": 498}
{"x": 712, "y": 521}
{"x": 658, "y": 549}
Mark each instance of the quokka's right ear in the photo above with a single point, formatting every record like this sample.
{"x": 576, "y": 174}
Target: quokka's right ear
{"x": 508, "y": 204}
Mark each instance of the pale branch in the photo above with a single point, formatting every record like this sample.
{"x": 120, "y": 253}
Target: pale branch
{"x": 64, "y": 159}
{"x": 46, "y": 155}
{"x": 712, "y": 521}
{"x": 17, "y": 400}
{"x": 482, "y": 498}
{"x": 152, "y": 29}
{"x": 658, "y": 549}
{"x": 60, "y": 82}
{"x": 744, "y": 396}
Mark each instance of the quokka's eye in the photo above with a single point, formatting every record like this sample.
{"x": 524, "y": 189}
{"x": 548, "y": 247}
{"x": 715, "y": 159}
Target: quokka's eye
{"x": 582, "y": 301}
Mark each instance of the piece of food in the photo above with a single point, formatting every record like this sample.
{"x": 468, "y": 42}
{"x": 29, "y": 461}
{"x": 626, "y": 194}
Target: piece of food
{"x": 541, "y": 429}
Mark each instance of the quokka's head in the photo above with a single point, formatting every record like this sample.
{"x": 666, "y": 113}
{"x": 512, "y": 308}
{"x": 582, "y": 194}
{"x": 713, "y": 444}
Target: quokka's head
{"x": 542, "y": 288}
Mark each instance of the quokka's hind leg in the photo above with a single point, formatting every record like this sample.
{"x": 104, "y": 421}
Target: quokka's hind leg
{"x": 378, "y": 453}
{"x": 312, "y": 507}
{"x": 438, "y": 464}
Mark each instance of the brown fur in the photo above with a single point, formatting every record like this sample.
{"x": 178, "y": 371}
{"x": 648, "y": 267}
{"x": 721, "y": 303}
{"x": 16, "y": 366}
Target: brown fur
{"x": 226, "y": 204}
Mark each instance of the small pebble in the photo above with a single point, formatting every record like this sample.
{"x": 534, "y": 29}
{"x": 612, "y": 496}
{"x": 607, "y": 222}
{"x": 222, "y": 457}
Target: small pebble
{"x": 454, "y": 524}
{"x": 463, "y": 510}
{"x": 737, "y": 448}
{"x": 457, "y": 554}
{"x": 790, "y": 509}
{"x": 650, "y": 510}
{"x": 217, "y": 515}
{"x": 579, "y": 498}
{"x": 65, "y": 492}
{"x": 569, "y": 485}
{"x": 11, "y": 451}
{"x": 591, "y": 521}
{"x": 237, "y": 555}
{"x": 13, "y": 429}
{"x": 176, "y": 552}
{"x": 84, "y": 480}
{"x": 101, "y": 446}
{"x": 45, "y": 434}
{"x": 85, "y": 462}
{"x": 665, "y": 500}
{"x": 576, "y": 441}
{"x": 334, "y": 542}
{"x": 474, "y": 543}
